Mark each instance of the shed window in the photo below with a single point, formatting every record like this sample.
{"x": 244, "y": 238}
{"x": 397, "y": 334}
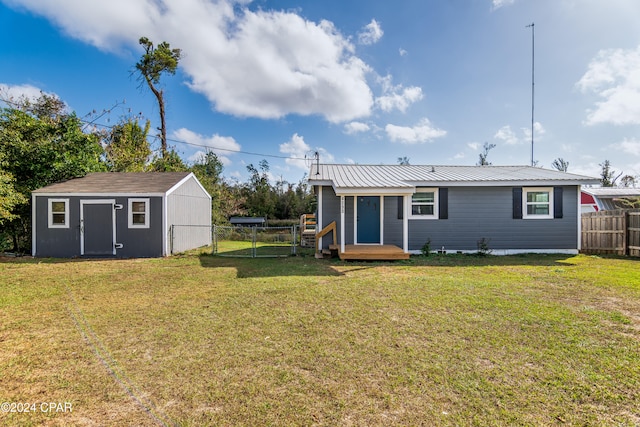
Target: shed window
{"x": 58, "y": 213}
{"x": 537, "y": 203}
{"x": 424, "y": 203}
{"x": 138, "y": 213}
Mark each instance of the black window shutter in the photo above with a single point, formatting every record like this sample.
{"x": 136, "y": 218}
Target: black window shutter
{"x": 400, "y": 207}
{"x": 517, "y": 203}
{"x": 557, "y": 202}
{"x": 443, "y": 203}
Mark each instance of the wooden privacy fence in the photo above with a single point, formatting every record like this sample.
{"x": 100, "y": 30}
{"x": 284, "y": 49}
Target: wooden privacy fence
{"x": 611, "y": 232}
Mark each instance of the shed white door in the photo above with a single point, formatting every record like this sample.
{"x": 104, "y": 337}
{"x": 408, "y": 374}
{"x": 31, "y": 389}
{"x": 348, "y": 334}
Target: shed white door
{"x": 97, "y": 227}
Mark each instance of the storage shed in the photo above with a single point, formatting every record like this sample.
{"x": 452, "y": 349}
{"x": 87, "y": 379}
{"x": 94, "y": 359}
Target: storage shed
{"x": 121, "y": 214}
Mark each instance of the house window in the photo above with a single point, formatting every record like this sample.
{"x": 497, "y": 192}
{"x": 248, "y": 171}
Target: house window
{"x": 138, "y": 213}
{"x": 58, "y": 213}
{"x": 424, "y": 203}
{"x": 537, "y": 203}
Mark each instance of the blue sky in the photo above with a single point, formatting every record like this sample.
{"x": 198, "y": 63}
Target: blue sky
{"x": 358, "y": 81}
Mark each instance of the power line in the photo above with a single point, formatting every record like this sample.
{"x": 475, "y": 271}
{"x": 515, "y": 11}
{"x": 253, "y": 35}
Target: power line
{"x": 250, "y": 153}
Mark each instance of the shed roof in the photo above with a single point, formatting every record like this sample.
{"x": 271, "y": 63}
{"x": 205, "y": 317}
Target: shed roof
{"x": 403, "y": 179}
{"x": 117, "y": 182}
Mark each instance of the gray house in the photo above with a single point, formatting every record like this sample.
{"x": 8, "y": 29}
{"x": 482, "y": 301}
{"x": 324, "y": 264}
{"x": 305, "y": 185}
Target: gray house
{"x": 148, "y": 214}
{"x": 514, "y": 209}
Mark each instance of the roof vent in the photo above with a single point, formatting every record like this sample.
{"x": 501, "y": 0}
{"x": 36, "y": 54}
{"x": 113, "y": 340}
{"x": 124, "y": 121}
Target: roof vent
{"x": 433, "y": 169}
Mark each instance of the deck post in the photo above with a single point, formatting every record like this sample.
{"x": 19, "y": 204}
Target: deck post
{"x": 342, "y": 214}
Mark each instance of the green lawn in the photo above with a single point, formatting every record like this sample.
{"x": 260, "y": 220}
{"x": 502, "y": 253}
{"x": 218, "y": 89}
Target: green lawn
{"x": 201, "y": 340}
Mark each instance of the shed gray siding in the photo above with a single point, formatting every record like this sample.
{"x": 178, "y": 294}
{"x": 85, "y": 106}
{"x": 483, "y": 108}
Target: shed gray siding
{"x": 65, "y": 242}
{"x": 473, "y": 213}
{"x": 189, "y": 211}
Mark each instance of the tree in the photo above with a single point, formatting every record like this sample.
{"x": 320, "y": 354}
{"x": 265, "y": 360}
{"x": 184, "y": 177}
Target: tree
{"x": 154, "y": 62}
{"x": 260, "y": 197}
{"x": 607, "y": 175}
{"x": 41, "y": 143}
{"x": 628, "y": 181}
{"x": 560, "y": 164}
{"x": 127, "y": 148}
{"x": 403, "y": 161}
{"x": 10, "y": 198}
{"x": 482, "y": 161}
{"x": 170, "y": 162}
{"x": 208, "y": 169}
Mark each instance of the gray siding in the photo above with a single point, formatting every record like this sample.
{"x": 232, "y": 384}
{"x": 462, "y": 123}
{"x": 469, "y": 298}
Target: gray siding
{"x": 65, "y": 242}
{"x": 189, "y": 211}
{"x": 474, "y": 213}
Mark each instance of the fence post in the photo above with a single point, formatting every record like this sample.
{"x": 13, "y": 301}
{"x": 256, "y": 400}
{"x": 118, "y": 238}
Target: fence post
{"x": 214, "y": 240}
{"x": 171, "y": 231}
{"x": 294, "y": 238}
{"x": 254, "y": 238}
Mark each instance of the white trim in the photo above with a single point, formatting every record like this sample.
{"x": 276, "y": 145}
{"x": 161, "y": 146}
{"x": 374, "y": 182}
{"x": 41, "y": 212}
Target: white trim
{"x": 320, "y": 225}
{"x": 373, "y": 191}
{"x": 405, "y": 223}
{"x": 343, "y": 209}
{"x": 185, "y": 179}
{"x": 355, "y": 219}
{"x": 526, "y": 190}
{"x": 106, "y": 194}
{"x": 579, "y": 210}
{"x": 33, "y": 225}
{"x": 111, "y": 202}
{"x": 130, "y": 213}
{"x": 436, "y": 196}
{"x": 165, "y": 227}
{"x": 382, "y": 220}
{"x": 50, "y": 213}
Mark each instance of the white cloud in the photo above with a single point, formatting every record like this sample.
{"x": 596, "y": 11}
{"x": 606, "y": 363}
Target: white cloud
{"x": 356, "y": 127}
{"x": 506, "y": 135}
{"x": 402, "y": 52}
{"x": 475, "y": 146}
{"x": 397, "y": 97}
{"x": 297, "y": 149}
{"x": 537, "y": 128}
{"x": 371, "y": 33}
{"x": 261, "y": 63}
{"x": 629, "y": 146}
{"x": 459, "y": 155}
{"x": 221, "y": 145}
{"x": 300, "y": 153}
{"x": 614, "y": 76}
{"x": 497, "y": 4}
{"x": 18, "y": 92}
{"x": 422, "y": 132}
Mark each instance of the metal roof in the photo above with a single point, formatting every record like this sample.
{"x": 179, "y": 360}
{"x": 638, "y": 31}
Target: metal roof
{"x": 403, "y": 179}
{"x": 612, "y": 192}
{"x": 117, "y": 182}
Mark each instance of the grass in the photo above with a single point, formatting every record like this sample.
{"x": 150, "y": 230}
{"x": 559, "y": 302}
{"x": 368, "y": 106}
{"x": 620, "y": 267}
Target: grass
{"x": 201, "y": 340}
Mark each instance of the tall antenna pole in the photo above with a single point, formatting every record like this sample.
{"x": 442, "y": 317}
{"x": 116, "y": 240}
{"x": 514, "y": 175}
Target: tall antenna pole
{"x": 533, "y": 85}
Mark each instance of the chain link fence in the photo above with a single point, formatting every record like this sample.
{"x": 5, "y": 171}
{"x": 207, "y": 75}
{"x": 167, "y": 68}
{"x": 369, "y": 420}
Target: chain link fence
{"x": 254, "y": 242}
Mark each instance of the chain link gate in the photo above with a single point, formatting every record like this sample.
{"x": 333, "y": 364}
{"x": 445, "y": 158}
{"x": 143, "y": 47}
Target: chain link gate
{"x": 255, "y": 242}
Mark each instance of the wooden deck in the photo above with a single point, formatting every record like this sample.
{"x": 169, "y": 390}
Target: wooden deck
{"x": 370, "y": 252}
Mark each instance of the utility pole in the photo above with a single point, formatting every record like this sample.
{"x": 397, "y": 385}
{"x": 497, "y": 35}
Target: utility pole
{"x": 533, "y": 85}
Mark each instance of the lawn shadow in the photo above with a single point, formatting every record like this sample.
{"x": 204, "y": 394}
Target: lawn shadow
{"x": 271, "y": 267}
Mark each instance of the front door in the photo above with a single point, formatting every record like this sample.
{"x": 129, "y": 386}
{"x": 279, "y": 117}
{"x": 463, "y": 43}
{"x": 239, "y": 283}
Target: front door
{"x": 368, "y": 219}
{"x": 97, "y": 227}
